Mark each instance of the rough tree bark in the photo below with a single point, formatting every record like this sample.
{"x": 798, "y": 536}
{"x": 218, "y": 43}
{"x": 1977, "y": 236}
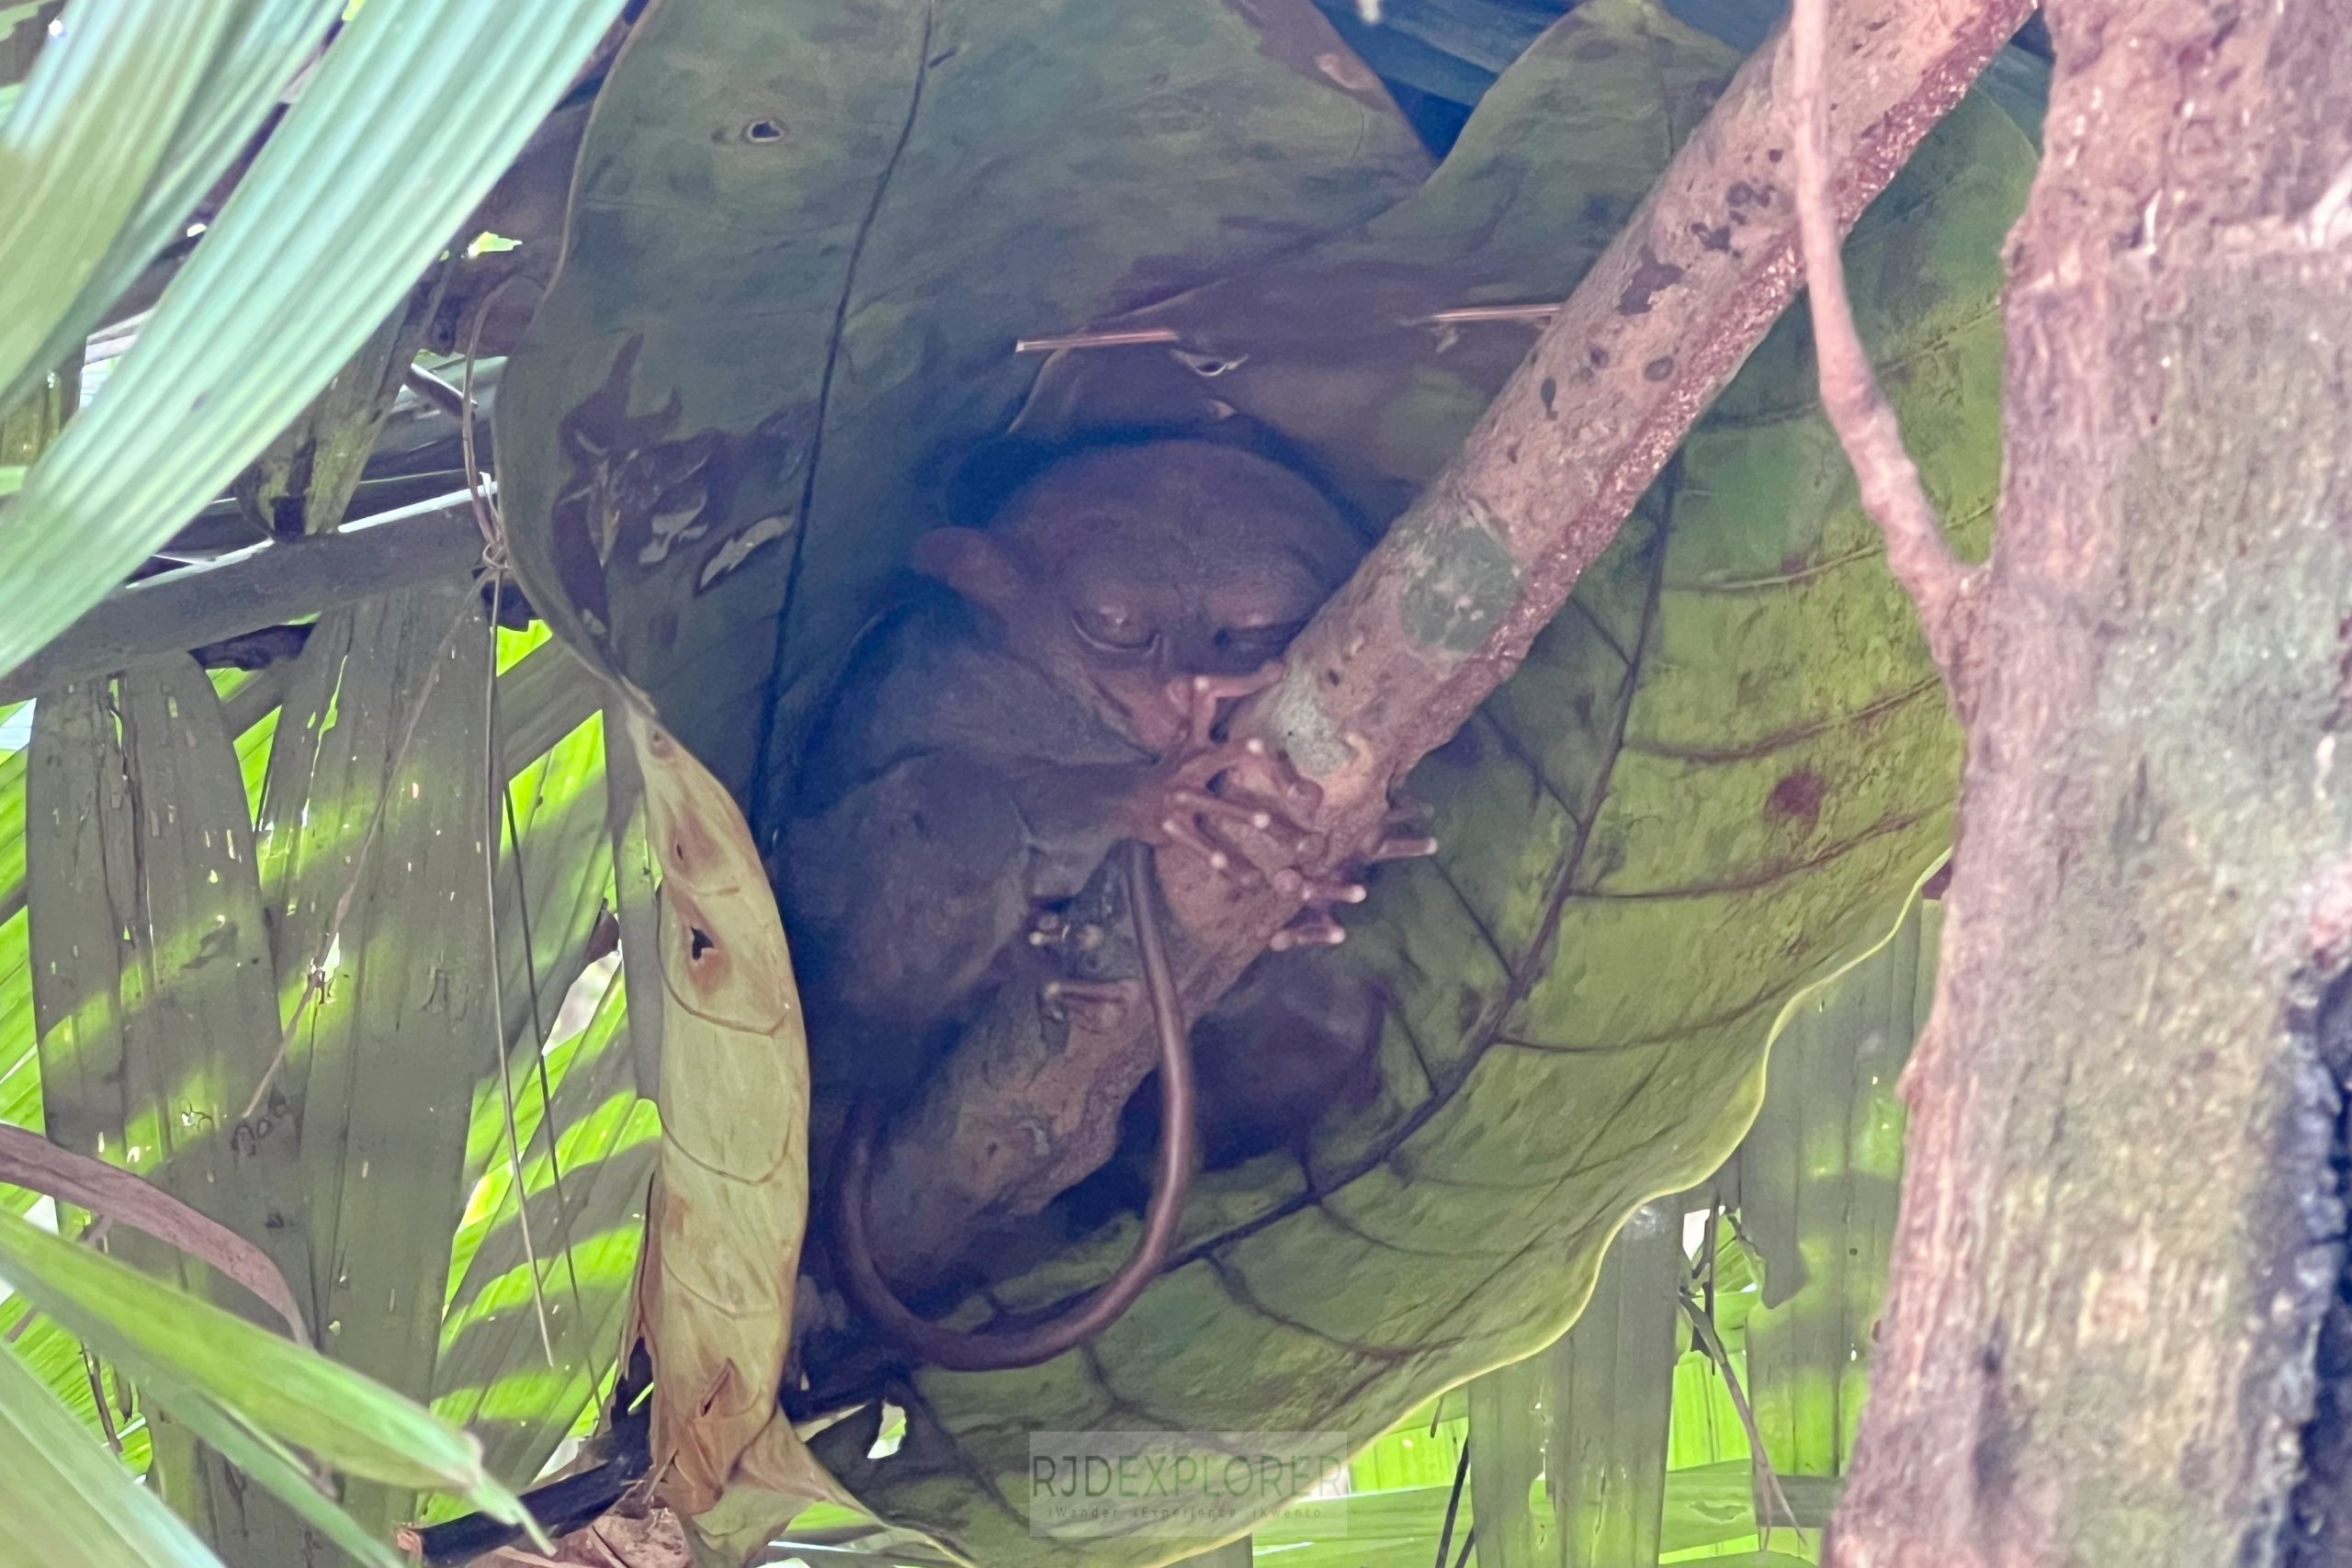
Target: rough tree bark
{"x": 1442, "y": 612}
{"x": 2123, "y": 1221}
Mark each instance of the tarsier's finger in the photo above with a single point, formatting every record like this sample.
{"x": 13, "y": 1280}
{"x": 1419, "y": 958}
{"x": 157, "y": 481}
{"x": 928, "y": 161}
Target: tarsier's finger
{"x": 1182, "y": 829}
{"x": 1315, "y": 928}
{"x": 1049, "y": 930}
{"x": 1315, "y": 890}
{"x": 1400, "y": 848}
{"x": 1109, "y": 1000}
{"x": 1252, "y": 768}
{"x": 1198, "y": 696}
{"x": 1222, "y": 807}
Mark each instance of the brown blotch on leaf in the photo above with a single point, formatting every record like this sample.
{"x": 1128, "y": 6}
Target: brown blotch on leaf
{"x": 1796, "y": 798}
{"x": 1658, "y": 369}
{"x": 1716, "y": 237}
{"x": 1594, "y": 47}
{"x": 1548, "y": 392}
{"x": 1648, "y": 279}
{"x": 1741, "y": 192}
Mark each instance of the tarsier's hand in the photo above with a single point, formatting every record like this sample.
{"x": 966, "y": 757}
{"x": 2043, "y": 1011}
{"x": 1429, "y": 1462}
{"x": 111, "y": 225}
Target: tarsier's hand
{"x": 1242, "y": 807}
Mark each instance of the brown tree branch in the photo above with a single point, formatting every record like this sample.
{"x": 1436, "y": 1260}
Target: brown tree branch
{"x": 2117, "y": 1304}
{"x": 1442, "y": 611}
{"x": 1940, "y": 586}
{"x": 262, "y": 585}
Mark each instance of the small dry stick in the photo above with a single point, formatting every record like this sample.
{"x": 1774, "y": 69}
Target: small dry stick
{"x": 1113, "y": 338}
{"x": 1764, "y": 1479}
{"x": 1942, "y": 586}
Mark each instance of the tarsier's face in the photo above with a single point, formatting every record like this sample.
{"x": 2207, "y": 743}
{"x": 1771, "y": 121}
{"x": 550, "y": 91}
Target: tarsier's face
{"x": 1124, "y": 570}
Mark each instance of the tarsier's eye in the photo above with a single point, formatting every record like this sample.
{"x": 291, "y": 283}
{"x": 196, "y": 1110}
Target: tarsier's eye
{"x": 1259, "y": 641}
{"x": 1116, "y": 626}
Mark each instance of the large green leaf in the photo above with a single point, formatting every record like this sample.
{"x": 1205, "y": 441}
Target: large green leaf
{"x": 804, "y": 239}
{"x": 73, "y": 165}
{"x": 152, "y": 994}
{"x": 491, "y": 1370}
{"x": 372, "y": 846}
{"x": 492, "y": 1376}
{"x": 233, "y": 88}
{"x": 1716, "y": 775}
{"x": 408, "y": 121}
{"x": 69, "y": 1504}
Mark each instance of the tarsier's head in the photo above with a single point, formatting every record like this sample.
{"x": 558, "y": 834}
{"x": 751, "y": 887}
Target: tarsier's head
{"x": 1121, "y": 570}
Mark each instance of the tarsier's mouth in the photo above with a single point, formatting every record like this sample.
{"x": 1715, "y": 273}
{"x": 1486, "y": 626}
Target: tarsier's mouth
{"x": 1157, "y": 723}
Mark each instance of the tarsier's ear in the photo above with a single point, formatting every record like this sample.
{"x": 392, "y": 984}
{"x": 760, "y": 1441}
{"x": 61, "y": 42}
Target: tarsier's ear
{"x": 981, "y": 567}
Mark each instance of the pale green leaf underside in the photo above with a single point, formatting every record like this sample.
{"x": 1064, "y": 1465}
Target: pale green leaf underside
{"x": 803, "y": 243}
{"x": 414, "y": 112}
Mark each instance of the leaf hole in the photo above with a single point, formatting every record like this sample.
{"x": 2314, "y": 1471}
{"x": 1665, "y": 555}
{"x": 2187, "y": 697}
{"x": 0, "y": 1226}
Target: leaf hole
{"x": 762, "y": 131}
{"x": 699, "y": 941}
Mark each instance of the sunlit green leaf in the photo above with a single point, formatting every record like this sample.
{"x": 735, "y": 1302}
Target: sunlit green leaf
{"x": 73, "y": 165}
{"x": 408, "y": 119}
{"x": 269, "y": 1385}
{"x": 372, "y": 848}
{"x": 1818, "y": 1176}
{"x": 68, "y": 1502}
{"x": 235, "y": 88}
{"x": 1570, "y": 1444}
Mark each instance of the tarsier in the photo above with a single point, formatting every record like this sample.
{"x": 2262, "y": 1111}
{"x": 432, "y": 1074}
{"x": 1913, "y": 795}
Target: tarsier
{"x": 1055, "y": 695}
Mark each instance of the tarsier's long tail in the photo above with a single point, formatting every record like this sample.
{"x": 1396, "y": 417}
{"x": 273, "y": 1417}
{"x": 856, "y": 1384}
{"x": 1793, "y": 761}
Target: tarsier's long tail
{"x": 988, "y": 1350}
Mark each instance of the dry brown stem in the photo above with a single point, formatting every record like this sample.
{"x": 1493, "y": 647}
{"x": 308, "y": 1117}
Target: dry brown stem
{"x": 1940, "y": 586}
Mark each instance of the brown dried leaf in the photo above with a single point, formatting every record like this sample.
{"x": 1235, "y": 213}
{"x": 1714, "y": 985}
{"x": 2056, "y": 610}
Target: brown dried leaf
{"x": 30, "y": 1160}
{"x": 730, "y": 1201}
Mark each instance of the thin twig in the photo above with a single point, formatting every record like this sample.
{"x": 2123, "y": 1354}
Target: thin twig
{"x": 1453, "y": 1502}
{"x": 1917, "y": 552}
{"x": 1767, "y": 1479}
{"x": 435, "y": 390}
{"x": 494, "y": 552}
{"x": 540, "y": 1039}
{"x": 1458, "y": 314}
{"x": 98, "y": 1400}
{"x": 1119, "y": 338}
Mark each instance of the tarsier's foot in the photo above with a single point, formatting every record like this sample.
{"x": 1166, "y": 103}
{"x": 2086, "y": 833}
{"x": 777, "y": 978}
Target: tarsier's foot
{"x": 1316, "y": 925}
{"x": 1243, "y": 808}
{"x": 1049, "y": 930}
{"x": 1105, "y": 1000}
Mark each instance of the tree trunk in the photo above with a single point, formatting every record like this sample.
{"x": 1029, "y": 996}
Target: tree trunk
{"x": 2122, "y": 1224}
